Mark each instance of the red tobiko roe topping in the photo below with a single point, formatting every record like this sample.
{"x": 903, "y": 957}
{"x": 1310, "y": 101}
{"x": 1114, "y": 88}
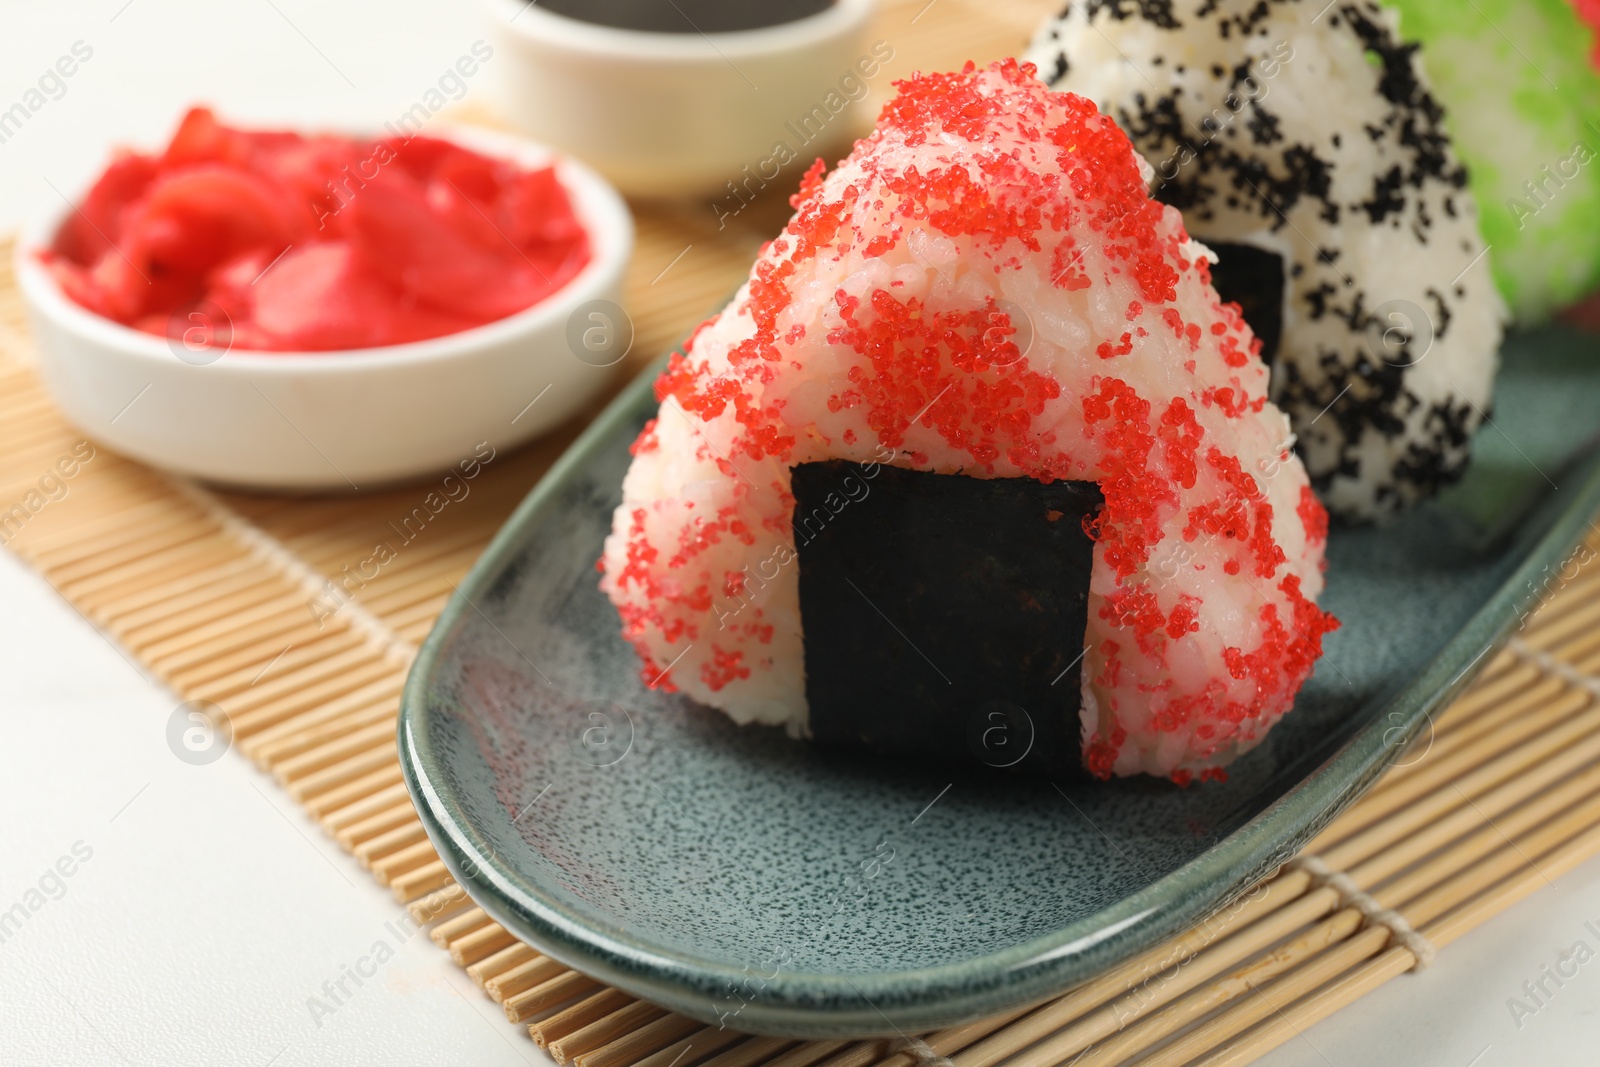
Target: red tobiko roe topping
{"x": 316, "y": 242}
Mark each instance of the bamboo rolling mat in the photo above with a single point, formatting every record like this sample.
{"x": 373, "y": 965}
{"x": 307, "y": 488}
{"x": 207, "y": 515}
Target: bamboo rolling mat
{"x": 248, "y": 603}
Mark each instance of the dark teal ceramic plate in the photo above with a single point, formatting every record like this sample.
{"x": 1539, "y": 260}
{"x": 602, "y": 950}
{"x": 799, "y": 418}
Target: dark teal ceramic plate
{"x": 742, "y": 878}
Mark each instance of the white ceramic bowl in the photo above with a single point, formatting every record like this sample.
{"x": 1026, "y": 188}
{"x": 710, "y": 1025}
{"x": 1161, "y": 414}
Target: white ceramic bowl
{"x": 668, "y": 114}
{"x": 340, "y": 419}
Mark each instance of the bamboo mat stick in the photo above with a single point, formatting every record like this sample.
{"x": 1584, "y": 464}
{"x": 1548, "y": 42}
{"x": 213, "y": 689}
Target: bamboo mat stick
{"x": 864, "y": 1053}
{"x": 1479, "y": 777}
{"x": 1534, "y": 645}
{"x": 574, "y": 1018}
{"x": 1553, "y": 703}
{"x": 1259, "y": 1003}
{"x": 1513, "y": 801}
{"x": 169, "y": 602}
{"x": 437, "y": 553}
{"x": 1126, "y": 985}
{"x": 523, "y": 977}
{"x": 632, "y": 1017}
{"x": 424, "y": 879}
{"x": 240, "y": 630}
{"x": 499, "y": 962}
{"x": 425, "y": 590}
{"x": 1469, "y": 856}
{"x": 413, "y": 625}
{"x": 1452, "y": 878}
{"x": 328, "y": 709}
{"x": 1506, "y": 861}
{"x": 333, "y": 680}
{"x": 423, "y": 556}
{"x": 337, "y": 749}
{"x": 332, "y": 658}
{"x": 807, "y": 1054}
{"x": 471, "y": 919}
{"x": 304, "y": 731}
{"x": 1364, "y": 816}
{"x": 413, "y": 610}
{"x": 1229, "y": 989}
{"x": 547, "y": 995}
{"x": 1083, "y": 1030}
{"x": 629, "y": 1046}
{"x": 1530, "y": 690}
{"x": 35, "y": 419}
{"x": 394, "y": 869}
{"x": 439, "y": 904}
{"x": 323, "y": 542}
{"x": 1130, "y": 977}
{"x": 334, "y": 799}
{"x": 388, "y": 594}
{"x": 115, "y": 545}
{"x": 334, "y": 688}
{"x": 480, "y": 944}
{"x": 233, "y": 675}
{"x": 222, "y": 605}
{"x": 871, "y": 1050}
{"x": 85, "y": 539}
{"x": 1533, "y": 876}
{"x": 169, "y": 605}
{"x": 1288, "y": 1021}
{"x": 238, "y": 676}
{"x": 1451, "y": 883}
{"x": 206, "y": 607}
{"x": 756, "y": 1050}
{"x": 407, "y": 833}
{"x": 944, "y": 1042}
{"x": 1574, "y": 614}
{"x": 822, "y": 1054}
{"x": 122, "y": 560}
{"x": 373, "y": 761}
{"x": 154, "y": 576}
{"x": 1478, "y": 713}
{"x": 701, "y": 1043}
{"x": 1524, "y": 721}
{"x": 150, "y": 569}
{"x": 364, "y": 829}
{"x": 308, "y": 525}
{"x": 1308, "y": 973}
{"x": 1291, "y": 1020}
{"x": 325, "y": 722}
{"x": 341, "y": 821}
{"x": 392, "y": 854}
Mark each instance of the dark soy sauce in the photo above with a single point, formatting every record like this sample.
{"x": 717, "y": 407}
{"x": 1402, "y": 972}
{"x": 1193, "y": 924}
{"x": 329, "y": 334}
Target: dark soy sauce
{"x": 686, "y": 16}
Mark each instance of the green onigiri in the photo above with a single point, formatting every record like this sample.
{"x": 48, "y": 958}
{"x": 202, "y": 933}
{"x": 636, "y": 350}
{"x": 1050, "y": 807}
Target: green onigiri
{"x": 1523, "y": 108}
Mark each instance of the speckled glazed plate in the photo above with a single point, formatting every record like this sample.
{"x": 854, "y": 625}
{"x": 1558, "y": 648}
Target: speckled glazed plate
{"x": 742, "y": 878}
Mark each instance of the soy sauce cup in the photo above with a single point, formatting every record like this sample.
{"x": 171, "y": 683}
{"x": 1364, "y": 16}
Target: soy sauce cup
{"x": 669, "y": 114}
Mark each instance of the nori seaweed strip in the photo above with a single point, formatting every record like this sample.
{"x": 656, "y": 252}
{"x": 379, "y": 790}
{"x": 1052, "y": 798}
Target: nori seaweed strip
{"x": 943, "y": 614}
{"x": 1253, "y": 278}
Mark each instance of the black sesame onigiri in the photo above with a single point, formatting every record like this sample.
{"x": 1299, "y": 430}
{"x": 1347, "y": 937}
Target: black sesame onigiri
{"x": 1303, "y": 145}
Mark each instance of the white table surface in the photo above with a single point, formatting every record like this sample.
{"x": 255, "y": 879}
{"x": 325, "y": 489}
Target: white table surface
{"x": 211, "y": 909}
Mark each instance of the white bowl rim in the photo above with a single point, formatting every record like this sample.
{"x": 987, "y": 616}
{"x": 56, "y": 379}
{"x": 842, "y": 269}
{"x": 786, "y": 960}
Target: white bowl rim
{"x": 597, "y": 203}
{"x": 840, "y": 16}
